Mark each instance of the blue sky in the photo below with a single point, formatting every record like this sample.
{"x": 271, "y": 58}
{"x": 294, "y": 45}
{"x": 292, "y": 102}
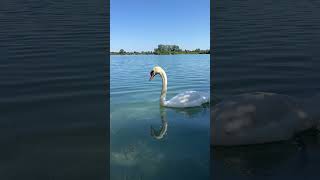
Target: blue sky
{"x": 140, "y": 25}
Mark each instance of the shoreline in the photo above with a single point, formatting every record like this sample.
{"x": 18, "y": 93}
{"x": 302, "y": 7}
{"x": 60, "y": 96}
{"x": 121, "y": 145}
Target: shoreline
{"x": 153, "y": 54}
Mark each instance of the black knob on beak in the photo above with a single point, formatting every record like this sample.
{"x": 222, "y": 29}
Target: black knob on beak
{"x": 151, "y": 75}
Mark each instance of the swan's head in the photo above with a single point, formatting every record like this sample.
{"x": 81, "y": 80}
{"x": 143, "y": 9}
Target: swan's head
{"x": 156, "y": 70}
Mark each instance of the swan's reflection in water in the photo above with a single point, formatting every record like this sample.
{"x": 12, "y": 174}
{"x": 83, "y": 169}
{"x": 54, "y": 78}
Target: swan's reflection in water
{"x": 136, "y": 155}
{"x": 164, "y": 125}
{"x": 188, "y": 112}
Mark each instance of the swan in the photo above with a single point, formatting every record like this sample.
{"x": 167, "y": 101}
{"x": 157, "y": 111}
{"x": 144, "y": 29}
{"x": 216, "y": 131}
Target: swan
{"x": 182, "y": 100}
{"x": 260, "y": 117}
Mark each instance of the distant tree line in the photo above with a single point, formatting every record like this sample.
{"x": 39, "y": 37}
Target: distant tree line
{"x": 167, "y": 49}
{"x": 163, "y": 50}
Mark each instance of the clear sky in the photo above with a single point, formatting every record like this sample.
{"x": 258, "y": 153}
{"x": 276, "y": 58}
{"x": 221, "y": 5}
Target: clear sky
{"x": 140, "y": 25}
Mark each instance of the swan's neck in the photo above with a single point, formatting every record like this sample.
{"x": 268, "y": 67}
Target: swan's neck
{"x": 164, "y": 88}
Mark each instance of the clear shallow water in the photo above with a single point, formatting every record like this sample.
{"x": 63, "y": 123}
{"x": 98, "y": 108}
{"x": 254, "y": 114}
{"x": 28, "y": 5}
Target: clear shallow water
{"x": 270, "y": 46}
{"x": 183, "y": 153}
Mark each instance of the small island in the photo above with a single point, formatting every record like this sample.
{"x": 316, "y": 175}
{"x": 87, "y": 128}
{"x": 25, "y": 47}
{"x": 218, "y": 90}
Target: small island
{"x": 163, "y": 50}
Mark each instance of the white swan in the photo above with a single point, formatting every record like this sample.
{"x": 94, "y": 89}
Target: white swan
{"x": 255, "y": 118}
{"x": 182, "y": 100}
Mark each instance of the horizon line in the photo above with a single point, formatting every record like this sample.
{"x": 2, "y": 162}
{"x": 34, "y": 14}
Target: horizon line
{"x": 155, "y": 48}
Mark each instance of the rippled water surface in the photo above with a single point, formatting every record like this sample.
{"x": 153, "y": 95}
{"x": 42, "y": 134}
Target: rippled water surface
{"x": 183, "y": 152}
{"x": 270, "y": 46}
{"x": 52, "y": 101}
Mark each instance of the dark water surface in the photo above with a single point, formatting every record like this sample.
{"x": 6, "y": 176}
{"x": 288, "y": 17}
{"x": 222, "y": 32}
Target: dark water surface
{"x": 53, "y": 105}
{"x": 270, "y": 46}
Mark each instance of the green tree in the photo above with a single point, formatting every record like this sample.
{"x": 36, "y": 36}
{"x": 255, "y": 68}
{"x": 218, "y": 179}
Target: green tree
{"x": 122, "y": 52}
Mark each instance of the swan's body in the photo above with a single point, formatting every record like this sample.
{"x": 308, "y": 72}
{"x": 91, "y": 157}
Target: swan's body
{"x": 187, "y": 99}
{"x": 182, "y": 100}
{"x": 255, "y": 118}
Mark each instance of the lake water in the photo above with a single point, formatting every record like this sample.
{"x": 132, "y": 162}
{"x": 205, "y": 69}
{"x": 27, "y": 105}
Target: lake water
{"x": 53, "y": 104}
{"x": 270, "y": 46}
{"x": 183, "y": 152}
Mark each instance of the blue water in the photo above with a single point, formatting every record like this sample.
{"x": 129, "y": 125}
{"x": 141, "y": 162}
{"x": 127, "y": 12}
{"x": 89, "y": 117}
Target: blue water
{"x": 183, "y": 152}
{"x": 270, "y": 46}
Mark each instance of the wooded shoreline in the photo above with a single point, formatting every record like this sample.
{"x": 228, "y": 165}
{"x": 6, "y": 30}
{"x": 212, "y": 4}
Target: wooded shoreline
{"x": 163, "y": 50}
